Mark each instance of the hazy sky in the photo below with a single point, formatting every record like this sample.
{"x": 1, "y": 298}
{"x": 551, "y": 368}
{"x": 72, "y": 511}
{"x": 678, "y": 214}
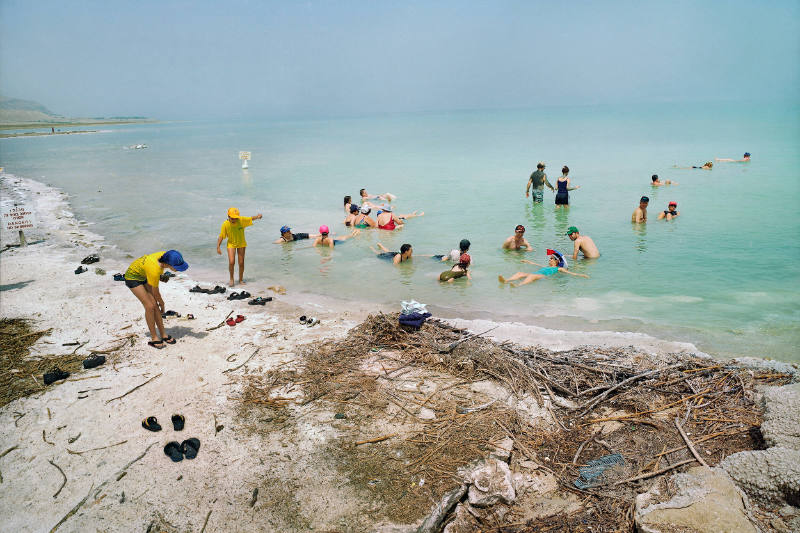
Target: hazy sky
{"x": 182, "y": 59}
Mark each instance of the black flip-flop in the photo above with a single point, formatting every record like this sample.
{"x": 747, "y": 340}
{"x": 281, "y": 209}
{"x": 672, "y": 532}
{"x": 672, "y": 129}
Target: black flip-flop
{"x": 93, "y": 361}
{"x": 56, "y": 374}
{"x": 178, "y": 422}
{"x": 155, "y": 344}
{"x": 303, "y": 319}
{"x": 233, "y": 296}
{"x": 81, "y": 269}
{"x": 190, "y": 447}
{"x": 119, "y": 277}
{"x": 151, "y": 424}
{"x": 190, "y": 316}
{"x": 218, "y": 289}
{"x": 169, "y": 340}
{"x": 173, "y": 451}
{"x": 260, "y": 300}
{"x": 244, "y": 295}
{"x": 197, "y": 288}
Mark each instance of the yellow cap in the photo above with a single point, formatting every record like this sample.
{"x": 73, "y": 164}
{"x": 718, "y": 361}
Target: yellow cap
{"x": 233, "y": 212}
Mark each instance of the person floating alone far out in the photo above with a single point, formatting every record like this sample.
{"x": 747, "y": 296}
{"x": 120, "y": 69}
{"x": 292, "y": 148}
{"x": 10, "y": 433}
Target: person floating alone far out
{"x": 671, "y": 211}
{"x": 745, "y": 158}
{"x": 537, "y": 183}
{"x": 708, "y": 165}
{"x": 639, "y": 215}
{"x": 582, "y": 243}
{"x": 562, "y": 196}
{"x": 142, "y": 279}
{"x": 233, "y": 230}
{"x": 518, "y": 241}
{"x": 658, "y": 183}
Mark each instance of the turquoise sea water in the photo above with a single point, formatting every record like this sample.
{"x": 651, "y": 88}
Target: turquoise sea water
{"x": 723, "y": 276}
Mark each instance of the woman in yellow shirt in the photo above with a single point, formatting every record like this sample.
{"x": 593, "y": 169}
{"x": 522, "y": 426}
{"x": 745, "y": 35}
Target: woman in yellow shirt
{"x": 233, "y": 230}
{"x": 142, "y": 279}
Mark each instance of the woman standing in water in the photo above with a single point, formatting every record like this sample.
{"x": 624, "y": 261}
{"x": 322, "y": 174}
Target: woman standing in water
{"x": 563, "y": 188}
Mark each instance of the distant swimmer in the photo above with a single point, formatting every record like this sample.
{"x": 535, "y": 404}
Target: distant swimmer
{"x": 537, "y": 182}
{"x": 671, "y": 212}
{"x": 363, "y": 220}
{"x": 639, "y": 215}
{"x": 288, "y": 236}
{"x": 347, "y": 202}
{"x": 708, "y": 165}
{"x": 583, "y": 243}
{"x": 142, "y": 279}
{"x": 351, "y": 216}
{"x": 562, "y": 196}
{"x": 233, "y": 230}
{"x": 745, "y": 158}
{"x": 324, "y": 238}
{"x": 402, "y": 256}
{"x": 387, "y": 220}
{"x": 455, "y": 254}
{"x": 658, "y": 183}
{"x": 518, "y": 241}
{"x": 459, "y": 270}
{"x": 556, "y": 263}
{"x": 387, "y": 197}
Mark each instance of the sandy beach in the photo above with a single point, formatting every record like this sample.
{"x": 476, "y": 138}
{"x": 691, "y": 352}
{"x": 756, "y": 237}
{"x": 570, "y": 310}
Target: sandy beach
{"x": 80, "y": 460}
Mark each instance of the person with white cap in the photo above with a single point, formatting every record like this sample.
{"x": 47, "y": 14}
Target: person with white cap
{"x": 233, "y": 230}
{"x": 537, "y": 182}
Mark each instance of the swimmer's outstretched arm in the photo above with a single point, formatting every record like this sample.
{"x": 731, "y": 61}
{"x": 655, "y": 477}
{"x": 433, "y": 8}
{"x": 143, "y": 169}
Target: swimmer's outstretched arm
{"x": 565, "y": 271}
{"x": 531, "y": 263}
{"x": 412, "y": 215}
{"x": 345, "y": 237}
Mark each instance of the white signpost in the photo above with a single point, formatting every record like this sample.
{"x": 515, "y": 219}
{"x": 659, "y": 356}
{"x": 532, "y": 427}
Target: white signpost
{"x": 18, "y": 218}
{"x": 245, "y": 157}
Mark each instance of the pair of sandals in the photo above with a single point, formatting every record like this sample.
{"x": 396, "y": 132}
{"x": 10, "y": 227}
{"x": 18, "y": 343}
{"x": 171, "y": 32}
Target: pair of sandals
{"x": 158, "y": 345}
{"x": 187, "y": 448}
{"x": 56, "y": 374}
{"x": 151, "y": 423}
{"x": 89, "y": 259}
{"x": 260, "y": 300}
{"x": 239, "y": 295}
{"x": 309, "y": 321}
{"x": 170, "y": 313}
{"x": 216, "y": 290}
{"x": 233, "y": 321}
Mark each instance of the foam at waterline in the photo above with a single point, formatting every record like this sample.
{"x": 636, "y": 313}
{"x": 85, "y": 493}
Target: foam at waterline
{"x": 562, "y": 340}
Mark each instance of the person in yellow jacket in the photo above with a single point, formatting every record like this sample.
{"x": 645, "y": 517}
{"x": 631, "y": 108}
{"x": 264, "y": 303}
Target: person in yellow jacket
{"x": 142, "y": 279}
{"x": 233, "y": 230}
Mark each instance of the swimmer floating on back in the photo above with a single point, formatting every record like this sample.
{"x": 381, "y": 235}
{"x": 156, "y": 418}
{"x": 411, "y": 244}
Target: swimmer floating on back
{"x": 745, "y": 159}
{"x": 387, "y": 197}
{"x": 556, "y": 263}
{"x": 708, "y": 165}
{"x": 389, "y": 221}
{"x": 403, "y": 255}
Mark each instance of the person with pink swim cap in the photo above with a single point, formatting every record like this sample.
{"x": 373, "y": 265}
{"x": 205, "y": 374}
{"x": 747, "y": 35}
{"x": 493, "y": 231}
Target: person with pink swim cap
{"x": 325, "y": 239}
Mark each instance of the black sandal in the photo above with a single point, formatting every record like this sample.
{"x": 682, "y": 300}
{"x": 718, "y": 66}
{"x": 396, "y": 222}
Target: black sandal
{"x": 151, "y": 424}
{"x": 178, "y": 422}
{"x": 158, "y": 345}
{"x": 190, "y": 447}
{"x": 173, "y": 451}
{"x": 169, "y": 340}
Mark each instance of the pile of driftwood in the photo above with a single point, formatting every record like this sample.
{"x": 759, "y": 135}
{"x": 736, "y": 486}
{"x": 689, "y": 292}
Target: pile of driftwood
{"x": 660, "y": 415}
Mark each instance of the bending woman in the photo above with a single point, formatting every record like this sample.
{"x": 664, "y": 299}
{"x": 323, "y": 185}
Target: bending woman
{"x": 389, "y": 221}
{"x": 553, "y": 267}
{"x": 142, "y": 279}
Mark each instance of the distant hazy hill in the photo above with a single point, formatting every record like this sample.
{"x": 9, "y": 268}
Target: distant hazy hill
{"x": 19, "y": 111}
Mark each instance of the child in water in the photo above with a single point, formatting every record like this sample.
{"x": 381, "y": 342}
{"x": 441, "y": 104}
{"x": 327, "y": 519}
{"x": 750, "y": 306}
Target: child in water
{"x": 459, "y": 270}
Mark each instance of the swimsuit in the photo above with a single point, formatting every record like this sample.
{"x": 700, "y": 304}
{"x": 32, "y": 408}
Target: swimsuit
{"x": 452, "y": 274}
{"x": 389, "y": 226}
{"x": 562, "y": 196}
{"x": 387, "y": 255}
{"x": 547, "y": 271}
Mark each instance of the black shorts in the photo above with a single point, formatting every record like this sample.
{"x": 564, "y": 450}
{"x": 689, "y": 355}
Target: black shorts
{"x": 562, "y": 198}
{"x": 131, "y": 283}
{"x": 387, "y": 255}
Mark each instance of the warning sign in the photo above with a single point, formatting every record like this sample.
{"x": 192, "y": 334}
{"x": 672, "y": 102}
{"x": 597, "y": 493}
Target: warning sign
{"x": 244, "y": 156}
{"x": 18, "y": 217}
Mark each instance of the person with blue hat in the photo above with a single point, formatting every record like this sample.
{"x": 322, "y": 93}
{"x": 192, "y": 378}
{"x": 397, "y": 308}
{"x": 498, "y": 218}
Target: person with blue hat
{"x": 288, "y": 236}
{"x": 142, "y": 279}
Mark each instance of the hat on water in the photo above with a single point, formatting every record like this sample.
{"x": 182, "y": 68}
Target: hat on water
{"x": 174, "y": 259}
{"x": 365, "y": 210}
{"x": 571, "y": 230}
{"x": 747, "y": 154}
{"x": 324, "y": 229}
{"x": 354, "y": 208}
{"x": 464, "y": 260}
{"x": 562, "y": 263}
{"x": 233, "y": 212}
{"x": 644, "y": 199}
{"x": 285, "y": 229}
{"x": 673, "y": 203}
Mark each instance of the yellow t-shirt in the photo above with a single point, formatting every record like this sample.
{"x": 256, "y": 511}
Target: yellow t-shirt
{"x": 234, "y": 232}
{"x": 146, "y": 268}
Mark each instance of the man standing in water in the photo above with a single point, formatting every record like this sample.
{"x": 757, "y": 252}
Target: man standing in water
{"x": 233, "y": 230}
{"x": 639, "y": 215}
{"x": 583, "y": 243}
{"x": 537, "y": 182}
{"x": 517, "y": 241}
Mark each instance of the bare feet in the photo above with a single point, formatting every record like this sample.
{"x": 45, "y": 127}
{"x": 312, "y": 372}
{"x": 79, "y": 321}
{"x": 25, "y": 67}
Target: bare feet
{"x": 231, "y": 283}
